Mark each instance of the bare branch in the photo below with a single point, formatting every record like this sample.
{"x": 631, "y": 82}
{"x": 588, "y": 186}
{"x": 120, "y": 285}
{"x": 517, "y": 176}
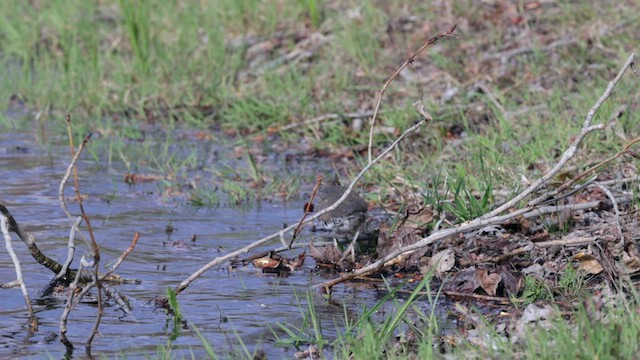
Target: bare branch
{"x": 4, "y": 225}
{"x": 72, "y": 249}
{"x": 65, "y": 178}
{"x": 568, "y": 154}
{"x": 411, "y": 58}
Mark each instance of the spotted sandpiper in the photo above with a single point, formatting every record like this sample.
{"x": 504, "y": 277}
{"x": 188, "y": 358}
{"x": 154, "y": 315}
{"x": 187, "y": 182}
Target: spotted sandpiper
{"x": 345, "y": 221}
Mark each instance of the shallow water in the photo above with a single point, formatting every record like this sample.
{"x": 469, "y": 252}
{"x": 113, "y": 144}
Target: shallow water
{"x": 227, "y": 306}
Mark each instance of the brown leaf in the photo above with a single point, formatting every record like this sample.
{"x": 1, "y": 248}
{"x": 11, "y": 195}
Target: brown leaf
{"x": 325, "y": 254}
{"x": 141, "y": 178}
{"x": 266, "y": 263}
{"x": 418, "y": 218}
{"x": 488, "y": 282}
{"x": 465, "y": 281}
{"x": 443, "y": 261}
{"x": 632, "y": 262}
{"x": 512, "y": 280}
{"x": 296, "y": 262}
{"x": 588, "y": 263}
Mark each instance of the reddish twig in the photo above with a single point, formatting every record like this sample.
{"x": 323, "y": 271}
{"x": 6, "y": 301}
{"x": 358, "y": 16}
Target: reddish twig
{"x": 307, "y": 210}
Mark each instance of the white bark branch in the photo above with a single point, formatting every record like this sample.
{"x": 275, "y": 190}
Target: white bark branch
{"x": 4, "y": 225}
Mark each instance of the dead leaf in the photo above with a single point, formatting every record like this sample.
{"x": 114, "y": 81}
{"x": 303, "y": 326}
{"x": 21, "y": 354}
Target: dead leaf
{"x": 488, "y": 282}
{"x": 276, "y": 263}
{"x": 295, "y": 263}
{"x": 588, "y": 263}
{"x": 418, "y": 218}
{"x": 632, "y": 263}
{"x": 325, "y": 254}
{"x": 266, "y": 263}
{"x": 465, "y": 281}
{"x": 443, "y": 261}
{"x": 512, "y": 280}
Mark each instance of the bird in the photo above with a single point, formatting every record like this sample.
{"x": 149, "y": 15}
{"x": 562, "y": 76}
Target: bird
{"x": 345, "y": 221}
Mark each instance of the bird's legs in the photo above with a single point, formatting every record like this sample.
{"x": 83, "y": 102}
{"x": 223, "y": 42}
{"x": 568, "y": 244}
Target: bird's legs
{"x": 351, "y": 248}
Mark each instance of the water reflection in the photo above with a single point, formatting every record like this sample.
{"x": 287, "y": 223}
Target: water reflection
{"x": 227, "y": 305}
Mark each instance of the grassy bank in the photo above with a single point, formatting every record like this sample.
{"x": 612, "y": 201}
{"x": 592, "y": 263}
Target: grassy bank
{"x": 408, "y": 326}
{"x": 506, "y": 94}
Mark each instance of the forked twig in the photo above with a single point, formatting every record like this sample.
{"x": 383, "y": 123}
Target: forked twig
{"x": 409, "y": 60}
{"x": 64, "y": 180}
{"x": 4, "y": 226}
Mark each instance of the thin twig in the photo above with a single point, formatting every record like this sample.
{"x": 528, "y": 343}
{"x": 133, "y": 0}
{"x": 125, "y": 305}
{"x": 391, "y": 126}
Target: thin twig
{"x": 72, "y": 249}
{"x": 598, "y": 165}
{"x": 543, "y": 210}
{"x": 91, "y": 244}
{"x": 4, "y": 225}
{"x": 616, "y": 211}
{"x": 505, "y": 56}
{"x": 586, "y": 128}
{"x": 69, "y": 305}
{"x": 411, "y": 58}
{"x": 64, "y": 180}
{"x": 567, "y": 241}
{"x": 485, "y": 89}
{"x": 113, "y": 268}
{"x": 307, "y": 210}
{"x": 568, "y": 154}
